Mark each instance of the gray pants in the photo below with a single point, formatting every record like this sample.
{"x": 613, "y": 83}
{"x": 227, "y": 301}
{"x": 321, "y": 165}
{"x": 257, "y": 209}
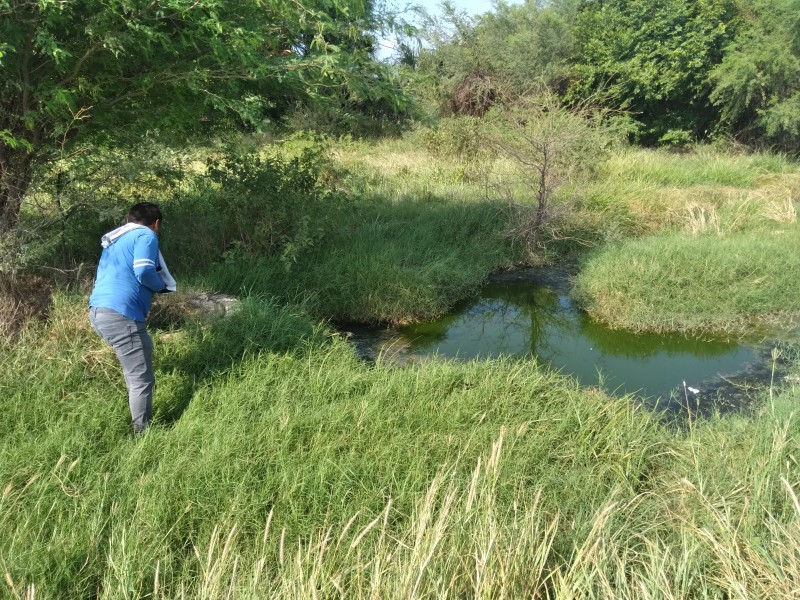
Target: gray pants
{"x": 134, "y": 349}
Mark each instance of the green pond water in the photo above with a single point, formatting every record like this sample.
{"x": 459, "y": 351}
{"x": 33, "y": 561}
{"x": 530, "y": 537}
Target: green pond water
{"x": 528, "y": 315}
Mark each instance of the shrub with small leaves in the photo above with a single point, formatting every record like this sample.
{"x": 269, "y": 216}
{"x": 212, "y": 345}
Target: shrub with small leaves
{"x": 276, "y": 202}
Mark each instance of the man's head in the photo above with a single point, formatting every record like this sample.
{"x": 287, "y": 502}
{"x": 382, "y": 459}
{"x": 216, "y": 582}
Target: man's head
{"x": 147, "y": 214}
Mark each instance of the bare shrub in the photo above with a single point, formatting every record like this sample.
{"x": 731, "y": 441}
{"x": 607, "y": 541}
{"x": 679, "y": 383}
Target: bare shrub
{"x": 550, "y": 145}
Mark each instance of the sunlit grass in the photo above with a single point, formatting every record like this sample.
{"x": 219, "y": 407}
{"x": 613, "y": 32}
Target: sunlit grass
{"x": 282, "y": 466}
{"x": 638, "y": 192}
{"x": 298, "y": 471}
{"x": 686, "y": 283}
{"x": 701, "y": 166}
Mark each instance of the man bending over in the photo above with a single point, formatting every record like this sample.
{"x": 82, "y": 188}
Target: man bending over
{"x": 130, "y": 271}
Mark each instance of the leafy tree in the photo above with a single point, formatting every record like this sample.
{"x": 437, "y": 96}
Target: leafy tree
{"x": 653, "y": 58}
{"x": 527, "y": 44}
{"x": 82, "y": 68}
{"x": 445, "y": 56}
{"x": 757, "y": 84}
{"x": 516, "y": 48}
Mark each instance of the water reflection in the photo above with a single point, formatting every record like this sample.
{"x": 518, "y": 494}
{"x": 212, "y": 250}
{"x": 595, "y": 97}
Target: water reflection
{"x": 530, "y": 319}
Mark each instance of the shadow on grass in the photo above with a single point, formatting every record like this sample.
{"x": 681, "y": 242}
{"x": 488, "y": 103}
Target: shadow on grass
{"x": 385, "y": 262}
{"x": 192, "y": 357}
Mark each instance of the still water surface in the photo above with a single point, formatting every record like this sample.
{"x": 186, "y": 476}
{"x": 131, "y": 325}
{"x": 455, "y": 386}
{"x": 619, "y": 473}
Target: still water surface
{"x": 533, "y": 316}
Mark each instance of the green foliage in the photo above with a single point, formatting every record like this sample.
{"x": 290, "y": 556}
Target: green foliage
{"x": 275, "y": 203}
{"x": 277, "y": 200}
{"x": 248, "y": 427}
{"x": 676, "y": 138}
{"x": 75, "y": 201}
{"x": 637, "y": 192}
{"x": 131, "y": 67}
{"x": 516, "y": 47}
{"x": 457, "y": 137}
{"x": 384, "y": 262}
{"x": 653, "y": 59}
{"x": 527, "y": 44}
{"x": 756, "y": 85}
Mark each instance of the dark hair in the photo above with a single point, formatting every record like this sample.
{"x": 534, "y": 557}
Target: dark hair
{"x": 144, "y": 213}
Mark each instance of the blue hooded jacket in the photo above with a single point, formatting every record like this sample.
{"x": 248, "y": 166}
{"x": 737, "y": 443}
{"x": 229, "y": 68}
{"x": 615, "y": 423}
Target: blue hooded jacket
{"x": 126, "y": 275}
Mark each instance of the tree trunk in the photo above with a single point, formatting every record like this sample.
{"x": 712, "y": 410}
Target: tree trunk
{"x": 15, "y": 177}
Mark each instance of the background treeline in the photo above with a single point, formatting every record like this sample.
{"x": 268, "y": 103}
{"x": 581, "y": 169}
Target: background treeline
{"x": 76, "y": 77}
{"x": 683, "y": 70}
{"x": 80, "y": 77}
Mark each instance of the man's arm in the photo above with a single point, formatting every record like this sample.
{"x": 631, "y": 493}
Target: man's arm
{"x": 145, "y": 261}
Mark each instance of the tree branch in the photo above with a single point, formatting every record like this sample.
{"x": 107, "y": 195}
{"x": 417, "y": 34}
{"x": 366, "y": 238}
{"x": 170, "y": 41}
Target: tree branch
{"x": 76, "y": 70}
{"x": 26, "y": 76}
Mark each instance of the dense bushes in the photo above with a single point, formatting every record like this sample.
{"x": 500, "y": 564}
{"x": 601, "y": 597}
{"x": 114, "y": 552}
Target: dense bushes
{"x": 218, "y": 203}
{"x": 684, "y": 70}
{"x": 756, "y": 84}
{"x": 277, "y": 202}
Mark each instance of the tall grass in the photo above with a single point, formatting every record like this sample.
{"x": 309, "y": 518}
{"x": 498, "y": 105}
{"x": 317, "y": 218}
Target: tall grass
{"x": 640, "y": 192}
{"x": 248, "y": 426}
{"x": 388, "y": 263}
{"x": 407, "y": 169}
{"x": 702, "y": 166}
{"x": 677, "y": 282}
{"x": 702, "y": 241}
{"x": 281, "y": 466}
{"x": 298, "y": 471}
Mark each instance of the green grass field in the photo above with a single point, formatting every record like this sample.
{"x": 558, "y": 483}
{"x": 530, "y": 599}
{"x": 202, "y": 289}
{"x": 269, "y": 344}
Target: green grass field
{"x": 709, "y": 243}
{"x": 281, "y": 466}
